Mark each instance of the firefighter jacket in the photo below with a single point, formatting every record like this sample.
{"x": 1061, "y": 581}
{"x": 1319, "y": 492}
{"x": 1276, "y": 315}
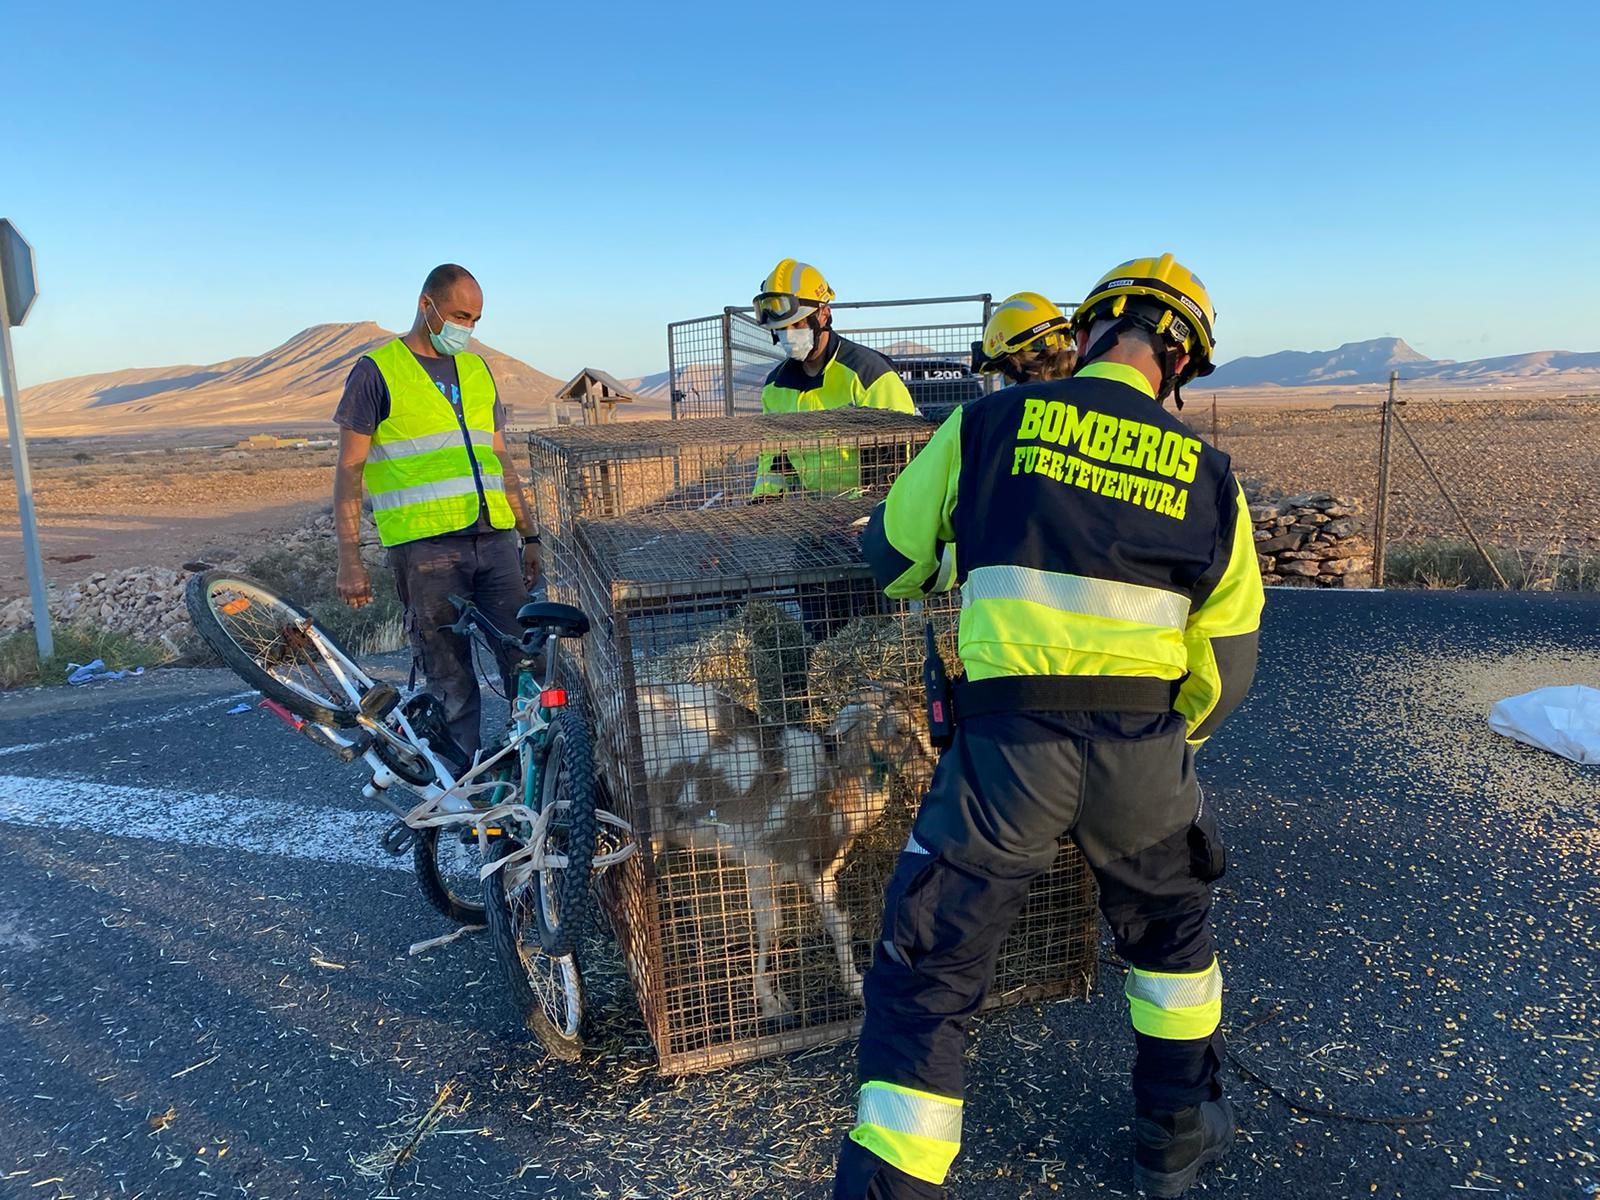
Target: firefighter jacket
{"x": 852, "y": 375}
{"x": 430, "y": 461}
{"x": 1091, "y": 535}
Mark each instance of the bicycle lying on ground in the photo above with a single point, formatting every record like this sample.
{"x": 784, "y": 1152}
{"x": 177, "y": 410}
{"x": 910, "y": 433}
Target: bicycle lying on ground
{"x": 508, "y": 837}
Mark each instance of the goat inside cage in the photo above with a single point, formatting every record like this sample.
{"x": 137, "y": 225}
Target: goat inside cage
{"x": 760, "y": 723}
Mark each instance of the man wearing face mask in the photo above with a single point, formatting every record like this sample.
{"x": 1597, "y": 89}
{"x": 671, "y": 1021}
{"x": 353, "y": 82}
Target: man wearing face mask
{"x": 423, "y": 429}
{"x": 1028, "y": 340}
{"x": 821, "y": 370}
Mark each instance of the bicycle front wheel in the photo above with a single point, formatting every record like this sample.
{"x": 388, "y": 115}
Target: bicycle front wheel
{"x": 447, "y": 862}
{"x": 276, "y": 647}
{"x": 546, "y": 989}
{"x": 564, "y": 782}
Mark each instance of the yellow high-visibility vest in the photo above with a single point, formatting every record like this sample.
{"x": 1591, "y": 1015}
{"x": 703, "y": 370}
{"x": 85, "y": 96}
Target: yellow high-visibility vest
{"x": 428, "y": 462}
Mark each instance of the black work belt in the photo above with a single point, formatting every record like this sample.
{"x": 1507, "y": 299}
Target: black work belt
{"x": 1064, "y": 693}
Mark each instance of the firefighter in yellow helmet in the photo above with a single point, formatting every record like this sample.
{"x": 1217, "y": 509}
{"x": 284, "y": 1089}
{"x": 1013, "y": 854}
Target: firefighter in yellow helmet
{"x": 1110, "y": 602}
{"x": 1028, "y": 339}
{"x": 820, "y": 370}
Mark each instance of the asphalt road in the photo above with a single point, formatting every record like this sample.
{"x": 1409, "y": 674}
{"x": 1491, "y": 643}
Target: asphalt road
{"x": 205, "y": 988}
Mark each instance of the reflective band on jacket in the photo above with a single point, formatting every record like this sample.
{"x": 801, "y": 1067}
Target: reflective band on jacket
{"x": 1179, "y": 1007}
{"x": 420, "y": 493}
{"x": 1078, "y": 594}
{"x": 917, "y": 1132}
{"x": 380, "y": 451}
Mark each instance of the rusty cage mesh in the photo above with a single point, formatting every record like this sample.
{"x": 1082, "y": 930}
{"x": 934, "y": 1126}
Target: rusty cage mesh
{"x": 759, "y": 721}
{"x": 633, "y": 467}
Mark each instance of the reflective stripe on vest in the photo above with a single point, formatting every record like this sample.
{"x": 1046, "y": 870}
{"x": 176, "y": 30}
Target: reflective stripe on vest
{"x": 404, "y": 447}
{"x": 421, "y": 493}
{"x": 917, "y": 1132}
{"x": 1078, "y": 594}
{"x": 425, "y": 462}
{"x": 1177, "y": 1006}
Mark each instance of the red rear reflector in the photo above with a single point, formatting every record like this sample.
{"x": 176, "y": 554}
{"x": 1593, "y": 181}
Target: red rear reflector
{"x": 553, "y": 697}
{"x": 284, "y": 715}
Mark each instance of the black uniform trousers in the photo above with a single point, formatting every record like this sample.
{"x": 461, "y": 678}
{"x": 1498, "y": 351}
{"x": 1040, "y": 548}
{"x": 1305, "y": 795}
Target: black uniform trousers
{"x": 1123, "y": 786}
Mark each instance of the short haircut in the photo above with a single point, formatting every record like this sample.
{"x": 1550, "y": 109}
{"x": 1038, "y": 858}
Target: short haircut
{"x": 444, "y": 277}
{"x": 1136, "y": 333}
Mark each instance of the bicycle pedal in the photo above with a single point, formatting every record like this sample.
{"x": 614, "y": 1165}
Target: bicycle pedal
{"x": 378, "y": 701}
{"x": 397, "y": 838}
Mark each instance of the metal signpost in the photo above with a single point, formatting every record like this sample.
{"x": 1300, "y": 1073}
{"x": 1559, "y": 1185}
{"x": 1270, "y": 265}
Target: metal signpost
{"x": 18, "y": 290}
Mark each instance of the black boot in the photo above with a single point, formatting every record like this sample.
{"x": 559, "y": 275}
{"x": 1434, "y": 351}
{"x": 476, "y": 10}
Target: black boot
{"x": 1170, "y": 1148}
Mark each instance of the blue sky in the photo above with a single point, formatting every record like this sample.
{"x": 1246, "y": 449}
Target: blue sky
{"x": 201, "y": 182}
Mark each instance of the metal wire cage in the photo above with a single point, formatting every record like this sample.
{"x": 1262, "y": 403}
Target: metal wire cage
{"x": 634, "y": 467}
{"x": 716, "y": 365}
{"x": 760, "y": 723}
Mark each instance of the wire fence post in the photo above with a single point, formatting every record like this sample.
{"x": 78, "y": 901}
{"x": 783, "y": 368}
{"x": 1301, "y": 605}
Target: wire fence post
{"x": 727, "y": 362}
{"x": 1214, "y": 440}
{"x": 672, "y": 375}
{"x": 1380, "y": 537}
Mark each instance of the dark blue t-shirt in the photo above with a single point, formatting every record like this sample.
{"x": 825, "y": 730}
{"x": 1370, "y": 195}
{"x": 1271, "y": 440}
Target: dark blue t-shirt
{"x": 365, "y": 405}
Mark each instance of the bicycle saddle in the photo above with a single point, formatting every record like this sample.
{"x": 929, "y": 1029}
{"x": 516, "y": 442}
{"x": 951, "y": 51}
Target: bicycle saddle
{"x": 562, "y": 619}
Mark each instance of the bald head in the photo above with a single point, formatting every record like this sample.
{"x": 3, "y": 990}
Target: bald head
{"x": 449, "y": 293}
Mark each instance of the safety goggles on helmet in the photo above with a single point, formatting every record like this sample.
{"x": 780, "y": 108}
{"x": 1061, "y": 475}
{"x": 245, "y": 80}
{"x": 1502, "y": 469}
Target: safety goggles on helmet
{"x": 775, "y": 310}
{"x": 1045, "y": 333}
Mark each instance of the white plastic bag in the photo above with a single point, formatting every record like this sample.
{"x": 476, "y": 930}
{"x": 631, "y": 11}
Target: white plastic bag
{"x": 1562, "y": 720}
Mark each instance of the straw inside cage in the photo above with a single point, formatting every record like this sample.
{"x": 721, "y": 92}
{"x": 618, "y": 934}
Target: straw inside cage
{"x": 759, "y": 721}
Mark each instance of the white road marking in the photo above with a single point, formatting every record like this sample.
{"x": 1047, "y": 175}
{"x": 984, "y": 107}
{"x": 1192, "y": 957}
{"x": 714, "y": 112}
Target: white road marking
{"x": 276, "y": 827}
{"x": 175, "y": 714}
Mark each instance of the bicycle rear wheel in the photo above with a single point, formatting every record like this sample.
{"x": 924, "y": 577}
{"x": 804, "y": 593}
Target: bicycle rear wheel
{"x": 546, "y": 989}
{"x": 276, "y": 647}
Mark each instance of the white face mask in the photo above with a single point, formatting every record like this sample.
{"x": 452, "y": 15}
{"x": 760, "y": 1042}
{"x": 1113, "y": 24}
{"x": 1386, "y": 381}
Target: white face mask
{"x": 798, "y": 341}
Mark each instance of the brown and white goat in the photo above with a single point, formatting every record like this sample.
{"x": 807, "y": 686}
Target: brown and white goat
{"x": 786, "y": 801}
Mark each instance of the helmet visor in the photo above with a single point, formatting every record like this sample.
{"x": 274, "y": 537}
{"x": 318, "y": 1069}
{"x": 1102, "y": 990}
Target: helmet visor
{"x": 775, "y": 310}
{"x": 1027, "y": 337}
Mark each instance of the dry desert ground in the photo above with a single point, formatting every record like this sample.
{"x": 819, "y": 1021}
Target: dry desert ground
{"x": 1522, "y": 467}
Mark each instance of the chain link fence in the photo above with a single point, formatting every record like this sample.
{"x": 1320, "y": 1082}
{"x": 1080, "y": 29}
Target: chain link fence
{"x": 1501, "y": 492}
{"x": 1458, "y": 491}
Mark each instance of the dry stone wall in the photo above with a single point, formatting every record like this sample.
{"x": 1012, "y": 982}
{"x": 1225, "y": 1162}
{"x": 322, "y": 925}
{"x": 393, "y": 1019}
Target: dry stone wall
{"x": 1313, "y": 539}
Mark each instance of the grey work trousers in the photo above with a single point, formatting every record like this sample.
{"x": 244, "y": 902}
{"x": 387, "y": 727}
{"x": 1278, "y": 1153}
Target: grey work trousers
{"x": 485, "y": 568}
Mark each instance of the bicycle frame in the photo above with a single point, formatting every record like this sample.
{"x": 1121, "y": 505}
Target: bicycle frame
{"x": 450, "y": 801}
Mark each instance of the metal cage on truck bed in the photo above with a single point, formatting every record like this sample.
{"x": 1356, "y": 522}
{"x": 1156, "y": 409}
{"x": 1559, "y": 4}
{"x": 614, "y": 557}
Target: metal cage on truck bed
{"x": 613, "y": 470}
{"x": 760, "y": 723}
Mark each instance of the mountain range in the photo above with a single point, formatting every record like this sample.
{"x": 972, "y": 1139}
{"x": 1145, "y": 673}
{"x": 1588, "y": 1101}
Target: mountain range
{"x": 292, "y": 386}
{"x": 296, "y": 386}
{"x": 1371, "y": 361}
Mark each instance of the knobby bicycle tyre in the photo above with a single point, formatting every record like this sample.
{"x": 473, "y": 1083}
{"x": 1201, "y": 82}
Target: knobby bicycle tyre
{"x": 431, "y": 881}
{"x": 268, "y": 608}
{"x": 566, "y": 782}
{"x": 546, "y": 990}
